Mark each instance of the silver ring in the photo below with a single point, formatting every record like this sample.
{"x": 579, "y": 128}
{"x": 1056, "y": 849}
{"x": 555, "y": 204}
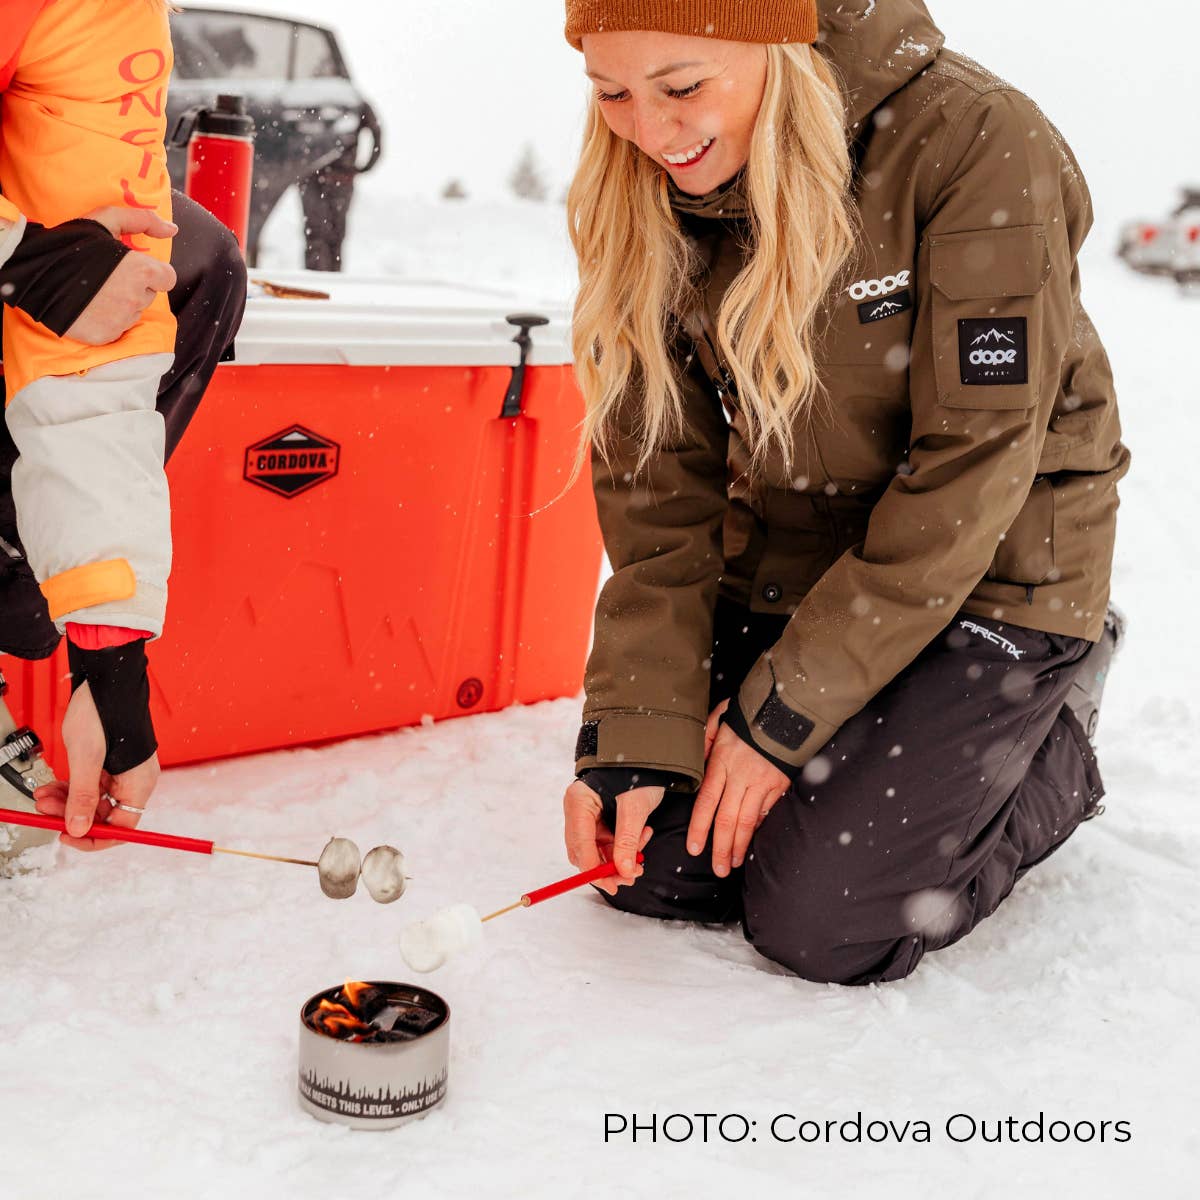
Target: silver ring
{"x": 123, "y": 807}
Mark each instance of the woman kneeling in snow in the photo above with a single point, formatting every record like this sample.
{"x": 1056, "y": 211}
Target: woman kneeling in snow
{"x": 855, "y": 452}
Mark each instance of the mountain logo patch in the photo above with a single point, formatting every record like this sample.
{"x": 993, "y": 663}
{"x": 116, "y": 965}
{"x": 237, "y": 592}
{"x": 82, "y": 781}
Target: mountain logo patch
{"x": 993, "y": 352}
{"x": 889, "y": 306}
{"x": 292, "y": 461}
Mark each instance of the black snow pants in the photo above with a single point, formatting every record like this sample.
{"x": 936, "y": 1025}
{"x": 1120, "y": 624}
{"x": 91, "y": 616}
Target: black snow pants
{"x": 914, "y": 821}
{"x": 208, "y": 300}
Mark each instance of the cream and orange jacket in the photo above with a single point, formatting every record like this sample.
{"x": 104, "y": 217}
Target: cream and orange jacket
{"x": 82, "y": 126}
{"x": 967, "y": 459}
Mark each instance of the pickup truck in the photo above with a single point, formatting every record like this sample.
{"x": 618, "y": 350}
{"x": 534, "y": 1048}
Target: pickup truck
{"x": 311, "y": 120}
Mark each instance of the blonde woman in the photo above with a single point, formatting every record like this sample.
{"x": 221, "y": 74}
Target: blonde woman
{"x": 855, "y": 451}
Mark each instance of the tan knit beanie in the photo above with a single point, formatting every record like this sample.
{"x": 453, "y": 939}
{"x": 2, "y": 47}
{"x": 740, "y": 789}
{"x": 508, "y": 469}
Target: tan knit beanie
{"x": 772, "y": 21}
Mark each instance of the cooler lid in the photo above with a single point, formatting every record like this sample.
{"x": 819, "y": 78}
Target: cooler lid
{"x": 385, "y": 321}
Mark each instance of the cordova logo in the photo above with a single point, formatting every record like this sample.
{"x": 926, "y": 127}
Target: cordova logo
{"x": 993, "y": 358}
{"x": 866, "y": 288}
{"x": 292, "y": 461}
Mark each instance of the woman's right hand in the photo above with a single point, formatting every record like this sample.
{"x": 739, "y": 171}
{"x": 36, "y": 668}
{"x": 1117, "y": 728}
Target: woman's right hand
{"x": 590, "y": 842}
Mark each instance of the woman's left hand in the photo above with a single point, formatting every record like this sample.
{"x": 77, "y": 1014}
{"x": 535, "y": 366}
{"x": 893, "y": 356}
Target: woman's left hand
{"x": 740, "y": 787}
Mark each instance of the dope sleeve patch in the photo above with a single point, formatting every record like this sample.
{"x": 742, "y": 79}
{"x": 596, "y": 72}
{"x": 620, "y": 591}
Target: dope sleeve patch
{"x": 992, "y": 351}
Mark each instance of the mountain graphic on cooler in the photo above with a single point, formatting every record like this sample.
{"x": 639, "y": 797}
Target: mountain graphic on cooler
{"x": 885, "y": 309}
{"x": 993, "y": 335}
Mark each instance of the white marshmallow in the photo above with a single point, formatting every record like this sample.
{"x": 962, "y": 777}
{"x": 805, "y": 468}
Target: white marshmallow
{"x": 338, "y": 868}
{"x": 383, "y": 873}
{"x": 426, "y": 945}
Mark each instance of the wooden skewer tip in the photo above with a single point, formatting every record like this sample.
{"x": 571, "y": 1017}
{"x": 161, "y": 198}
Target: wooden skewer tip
{"x": 522, "y": 903}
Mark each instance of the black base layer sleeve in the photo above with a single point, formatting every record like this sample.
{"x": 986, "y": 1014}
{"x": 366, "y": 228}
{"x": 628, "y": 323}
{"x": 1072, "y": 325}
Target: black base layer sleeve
{"x": 54, "y": 274}
{"x": 120, "y": 688}
{"x": 610, "y": 782}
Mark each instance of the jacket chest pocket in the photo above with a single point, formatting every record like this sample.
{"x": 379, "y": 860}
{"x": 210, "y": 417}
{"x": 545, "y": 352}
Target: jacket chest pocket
{"x": 987, "y": 316}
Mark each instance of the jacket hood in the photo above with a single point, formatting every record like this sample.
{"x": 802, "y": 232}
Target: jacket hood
{"x": 876, "y": 47}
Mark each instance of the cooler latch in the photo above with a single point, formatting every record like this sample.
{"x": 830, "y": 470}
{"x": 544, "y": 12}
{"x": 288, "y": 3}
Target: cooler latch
{"x": 516, "y": 385}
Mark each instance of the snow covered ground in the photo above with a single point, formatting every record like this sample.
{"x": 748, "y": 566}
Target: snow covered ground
{"x": 148, "y": 1029}
{"x": 149, "y": 1018}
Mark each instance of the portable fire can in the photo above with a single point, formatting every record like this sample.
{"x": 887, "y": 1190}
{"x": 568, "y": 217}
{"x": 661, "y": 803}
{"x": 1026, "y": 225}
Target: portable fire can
{"x": 220, "y": 160}
{"x": 369, "y": 1083}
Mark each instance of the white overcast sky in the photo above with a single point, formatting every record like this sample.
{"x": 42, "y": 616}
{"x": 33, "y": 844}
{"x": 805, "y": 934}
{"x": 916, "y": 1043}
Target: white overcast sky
{"x": 462, "y": 84}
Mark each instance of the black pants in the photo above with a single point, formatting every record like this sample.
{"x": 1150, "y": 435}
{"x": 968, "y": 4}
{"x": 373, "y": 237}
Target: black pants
{"x": 325, "y": 199}
{"x": 912, "y": 824}
{"x": 207, "y": 300}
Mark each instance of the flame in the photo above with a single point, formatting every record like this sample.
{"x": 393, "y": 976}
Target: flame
{"x": 338, "y": 1021}
{"x": 353, "y": 991}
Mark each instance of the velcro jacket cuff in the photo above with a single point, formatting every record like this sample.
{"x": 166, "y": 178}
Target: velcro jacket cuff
{"x": 736, "y": 720}
{"x": 662, "y": 741}
{"x": 144, "y": 611}
{"x": 778, "y": 728}
{"x": 91, "y": 583}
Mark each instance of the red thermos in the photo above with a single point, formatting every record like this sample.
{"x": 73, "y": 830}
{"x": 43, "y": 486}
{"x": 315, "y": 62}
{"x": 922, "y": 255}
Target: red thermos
{"x": 220, "y": 161}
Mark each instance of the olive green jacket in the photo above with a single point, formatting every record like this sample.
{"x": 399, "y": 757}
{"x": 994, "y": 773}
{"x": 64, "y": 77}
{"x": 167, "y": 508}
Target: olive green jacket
{"x": 967, "y": 459}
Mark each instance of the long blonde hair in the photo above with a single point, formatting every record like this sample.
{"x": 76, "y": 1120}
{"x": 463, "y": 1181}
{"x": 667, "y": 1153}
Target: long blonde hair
{"x": 637, "y": 271}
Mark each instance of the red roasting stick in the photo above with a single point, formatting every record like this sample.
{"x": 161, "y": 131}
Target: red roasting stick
{"x": 108, "y": 833}
{"x": 603, "y": 871}
{"x": 145, "y": 837}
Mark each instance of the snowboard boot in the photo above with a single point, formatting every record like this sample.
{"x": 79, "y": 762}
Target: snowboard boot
{"x": 1087, "y": 690}
{"x": 22, "y": 768}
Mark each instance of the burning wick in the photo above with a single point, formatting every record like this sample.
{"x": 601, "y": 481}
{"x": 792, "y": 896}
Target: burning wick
{"x": 338, "y": 868}
{"x": 426, "y": 945}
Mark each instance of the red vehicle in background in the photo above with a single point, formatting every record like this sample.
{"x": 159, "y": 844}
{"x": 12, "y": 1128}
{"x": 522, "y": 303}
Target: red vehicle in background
{"x": 1169, "y": 247}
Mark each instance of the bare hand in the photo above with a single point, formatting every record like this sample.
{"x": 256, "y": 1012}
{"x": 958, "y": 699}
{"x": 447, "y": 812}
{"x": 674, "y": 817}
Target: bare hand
{"x": 712, "y": 725}
{"x": 740, "y": 787}
{"x": 590, "y": 842}
{"x": 133, "y": 286}
{"x": 80, "y": 800}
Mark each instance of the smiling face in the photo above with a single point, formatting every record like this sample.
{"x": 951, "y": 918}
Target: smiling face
{"x": 688, "y": 103}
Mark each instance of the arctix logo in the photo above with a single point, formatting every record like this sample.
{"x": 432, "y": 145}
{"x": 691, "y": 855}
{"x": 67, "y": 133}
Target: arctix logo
{"x": 990, "y": 635}
{"x": 292, "y": 461}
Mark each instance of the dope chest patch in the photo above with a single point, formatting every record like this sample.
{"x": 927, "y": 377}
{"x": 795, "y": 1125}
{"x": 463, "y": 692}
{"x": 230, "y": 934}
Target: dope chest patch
{"x": 880, "y": 310}
{"x": 992, "y": 351}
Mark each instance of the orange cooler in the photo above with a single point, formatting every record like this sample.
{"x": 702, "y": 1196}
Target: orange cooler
{"x": 370, "y": 526}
